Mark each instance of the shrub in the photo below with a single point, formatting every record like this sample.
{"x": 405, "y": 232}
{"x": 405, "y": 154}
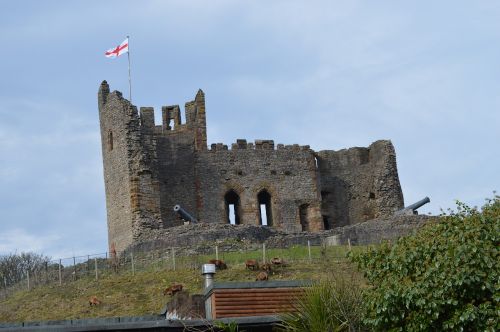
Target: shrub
{"x": 331, "y": 305}
{"x": 445, "y": 277}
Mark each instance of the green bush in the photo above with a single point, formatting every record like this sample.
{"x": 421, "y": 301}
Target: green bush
{"x": 446, "y": 277}
{"x": 331, "y": 305}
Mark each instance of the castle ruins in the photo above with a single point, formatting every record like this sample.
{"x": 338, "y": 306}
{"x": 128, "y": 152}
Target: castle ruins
{"x": 149, "y": 168}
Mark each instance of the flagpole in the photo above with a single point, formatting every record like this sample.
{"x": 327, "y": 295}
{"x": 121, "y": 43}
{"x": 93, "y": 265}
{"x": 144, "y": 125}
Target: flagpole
{"x": 129, "y": 79}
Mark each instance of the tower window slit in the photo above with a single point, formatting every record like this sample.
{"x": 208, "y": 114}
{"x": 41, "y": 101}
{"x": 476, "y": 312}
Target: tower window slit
{"x": 263, "y": 214}
{"x": 232, "y": 206}
{"x": 232, "y": 215}
{"x": 110, "y": 140}
{"x": 265, "y": 210}
{"x": 304, "y": 217}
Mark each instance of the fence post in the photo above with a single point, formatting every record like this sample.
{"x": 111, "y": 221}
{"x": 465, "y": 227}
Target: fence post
{"x": 88, "y": 264}
{"x": 5, "y": 286}
{"x": 264, "y": 253}
{"x": 28, "y": 275}
{"x": 95, "y": 264}
{"x": 309, "y": 250}
{"x": 74, "y": 268}
{"x": 173, "y": 257}
{"x": 132, "y": 262}
{"x": 349, "y": 243}
{"x": 60, "y": 273}
{"x": 217, "y": 252}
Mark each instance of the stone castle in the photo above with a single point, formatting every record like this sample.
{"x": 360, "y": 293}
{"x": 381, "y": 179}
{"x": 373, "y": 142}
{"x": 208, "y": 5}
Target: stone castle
{"x": 149, "y": 168}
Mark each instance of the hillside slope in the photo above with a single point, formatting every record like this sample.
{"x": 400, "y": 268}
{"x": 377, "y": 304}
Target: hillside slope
{"x": 124, "y": 294}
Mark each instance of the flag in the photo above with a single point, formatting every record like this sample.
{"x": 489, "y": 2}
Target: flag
{"x": 118, "y": 50}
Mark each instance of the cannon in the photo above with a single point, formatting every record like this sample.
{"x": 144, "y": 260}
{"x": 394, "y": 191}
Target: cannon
{"x": 412, "y": 209}
{"x": 184, "y": 214}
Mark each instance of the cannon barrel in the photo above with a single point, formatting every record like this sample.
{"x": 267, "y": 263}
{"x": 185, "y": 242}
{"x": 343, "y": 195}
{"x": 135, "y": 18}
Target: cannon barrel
{"x": 418, "y": 204}
{"x": 412, "y": 209}
{"x": 184, "y": 214}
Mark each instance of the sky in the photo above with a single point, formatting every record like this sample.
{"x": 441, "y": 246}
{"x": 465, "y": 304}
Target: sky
{"x": 329, "y": 74}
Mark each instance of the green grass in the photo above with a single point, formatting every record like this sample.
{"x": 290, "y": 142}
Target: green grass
{"x": 124, "y": 294}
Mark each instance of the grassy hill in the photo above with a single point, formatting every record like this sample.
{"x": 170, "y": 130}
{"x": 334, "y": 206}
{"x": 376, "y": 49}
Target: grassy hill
{"x": 124, "y": 294}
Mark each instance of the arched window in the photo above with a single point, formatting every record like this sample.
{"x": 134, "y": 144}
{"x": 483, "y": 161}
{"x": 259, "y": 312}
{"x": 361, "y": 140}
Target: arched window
{"x": 266, "y": 216}
{"x": 110, "y": 140}
{"x": 232, "y": 202}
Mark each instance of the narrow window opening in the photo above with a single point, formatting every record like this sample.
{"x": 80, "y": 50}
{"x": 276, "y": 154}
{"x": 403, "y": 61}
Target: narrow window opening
{"x": 232, "y": 215}
{"x": 372, "y": 196}
{"x": 110, "y": 141}
{"x": 326, "y": 223}
{"x": 232, "y": 202}
{"x": 304, "y": 217}
{"x": 316, "y": 162}
{"x": 265, "y": 215}
{"x": 171, "y": 124}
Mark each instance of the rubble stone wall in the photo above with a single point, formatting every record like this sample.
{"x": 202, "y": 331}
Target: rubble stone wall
{"x": 359, "y": 184}
{"x": 201, "y": 238}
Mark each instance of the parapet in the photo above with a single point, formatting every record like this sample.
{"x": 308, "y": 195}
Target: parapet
{"x": 259, "y": 144}
{"x": 378, "y": 151}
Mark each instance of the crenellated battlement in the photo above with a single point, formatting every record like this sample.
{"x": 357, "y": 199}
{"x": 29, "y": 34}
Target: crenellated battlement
{"x": 258, "y": 144}
{"x": 194, "y": 112}
{"x": 194, "y": 115}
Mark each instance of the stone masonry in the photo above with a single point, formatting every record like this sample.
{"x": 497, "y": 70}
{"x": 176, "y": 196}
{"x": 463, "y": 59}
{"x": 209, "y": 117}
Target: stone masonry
{"x": 150, "y": 168}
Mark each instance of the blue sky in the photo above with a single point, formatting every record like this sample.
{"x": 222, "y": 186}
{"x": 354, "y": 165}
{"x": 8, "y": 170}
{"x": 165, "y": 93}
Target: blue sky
{"x": 331, "y": 74}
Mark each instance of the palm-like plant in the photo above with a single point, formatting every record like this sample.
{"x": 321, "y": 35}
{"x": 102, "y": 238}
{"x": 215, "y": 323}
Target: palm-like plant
{"x": 332, "y": 305}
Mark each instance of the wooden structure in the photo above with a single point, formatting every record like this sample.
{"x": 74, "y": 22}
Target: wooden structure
{"x": 262, "y": 298}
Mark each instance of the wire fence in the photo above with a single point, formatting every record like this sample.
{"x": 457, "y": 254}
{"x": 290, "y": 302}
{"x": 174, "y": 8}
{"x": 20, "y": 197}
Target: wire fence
{"x": 96, "y": 266}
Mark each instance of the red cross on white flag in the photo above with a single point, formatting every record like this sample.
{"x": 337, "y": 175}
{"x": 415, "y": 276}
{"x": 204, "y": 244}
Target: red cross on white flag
{"x": 118, "y": 50}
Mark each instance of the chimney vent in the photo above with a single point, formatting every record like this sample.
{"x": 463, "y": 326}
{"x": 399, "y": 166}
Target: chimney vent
{"x": 208, "y": 272}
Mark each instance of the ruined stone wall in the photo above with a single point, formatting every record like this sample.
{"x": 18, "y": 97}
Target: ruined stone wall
{"x": 176, "y": 163}
{"x": 150, "y": 168}
{"x": 132, "y": 189}
{"x": 177, "y": 142}
{"x": 287, "y": 173}
{"x": 359, "y": 184}
{"x": 201, "y": 238}
{"x": 114, "y": 120}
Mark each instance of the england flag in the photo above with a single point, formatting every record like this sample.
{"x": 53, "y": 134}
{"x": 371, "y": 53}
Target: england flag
{"x": 118, "y": 50}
